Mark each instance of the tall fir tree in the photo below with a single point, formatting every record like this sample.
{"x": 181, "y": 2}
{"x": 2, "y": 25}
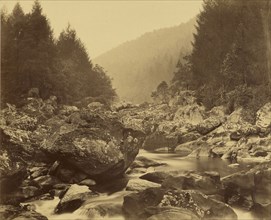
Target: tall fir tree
{"x": 12, "y": 58}
{"x": 39, "y": 66}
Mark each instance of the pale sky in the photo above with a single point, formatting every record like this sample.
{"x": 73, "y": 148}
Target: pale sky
{"x": 103, "y": 25}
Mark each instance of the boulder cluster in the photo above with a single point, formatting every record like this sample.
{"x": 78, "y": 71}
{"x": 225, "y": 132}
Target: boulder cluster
{"x": 47, "y": 149}
{"x": 50, "y": 150}
{"x": 183, "y": 126}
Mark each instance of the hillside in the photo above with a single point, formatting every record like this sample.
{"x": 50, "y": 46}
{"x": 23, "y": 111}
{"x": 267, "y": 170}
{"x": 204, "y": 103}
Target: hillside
{"x": 138, "y": 66}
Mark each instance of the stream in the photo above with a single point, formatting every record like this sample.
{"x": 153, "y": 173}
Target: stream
{"x": 114, "y": 191}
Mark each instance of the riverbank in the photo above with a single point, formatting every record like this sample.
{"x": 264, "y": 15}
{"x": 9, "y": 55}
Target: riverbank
{"x": 83, "y": 154}
{"x": 108, "y": 205}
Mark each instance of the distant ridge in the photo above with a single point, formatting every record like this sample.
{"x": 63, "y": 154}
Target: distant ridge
{"x": 139, "y": 65}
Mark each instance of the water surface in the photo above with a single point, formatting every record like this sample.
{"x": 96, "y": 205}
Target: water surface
{"x": 114, "y": 191}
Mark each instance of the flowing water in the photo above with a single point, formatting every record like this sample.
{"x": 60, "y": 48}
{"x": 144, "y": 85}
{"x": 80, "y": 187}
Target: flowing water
{"x": 113, "y": 192}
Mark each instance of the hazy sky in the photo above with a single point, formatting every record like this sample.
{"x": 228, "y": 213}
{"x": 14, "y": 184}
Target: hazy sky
{"x": 103, "y": 25}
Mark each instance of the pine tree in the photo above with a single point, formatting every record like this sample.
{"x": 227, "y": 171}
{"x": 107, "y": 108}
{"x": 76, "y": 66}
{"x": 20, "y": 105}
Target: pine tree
{"x": 229, "y": 47}
{"x": 80, "y": 78}
{"x": 4, "y": 58}
{"x": 39, "y": 51}
{"x": 183, "y": 75}
{"x": 12, "y": 54}
{"x": 211, "y": 42}
{"x": 74, "y": 64}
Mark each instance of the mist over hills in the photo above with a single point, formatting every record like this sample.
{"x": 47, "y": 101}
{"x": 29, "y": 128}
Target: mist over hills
{"x": 139, "y": 65}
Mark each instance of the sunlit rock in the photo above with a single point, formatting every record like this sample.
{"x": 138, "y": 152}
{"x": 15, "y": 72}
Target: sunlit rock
{"x": 263, "y": 119}
{"x": 140, "y": 184}
{"x": 73, "y": 198}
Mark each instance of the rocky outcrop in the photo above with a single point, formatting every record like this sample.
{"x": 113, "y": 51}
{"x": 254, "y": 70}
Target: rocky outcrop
{"x": 101, "y": 147}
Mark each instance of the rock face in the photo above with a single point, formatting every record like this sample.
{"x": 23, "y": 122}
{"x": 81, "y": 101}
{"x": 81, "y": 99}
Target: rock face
{"x": 140, "y": 184}
{"x": 73, "y": 198}
{"x": 263, "y": 119}
{"x": 190, "y": 113}
{"x": 154, "y": 201}
{"x": 209, "y": 125}
{"x": 101, "y": 147}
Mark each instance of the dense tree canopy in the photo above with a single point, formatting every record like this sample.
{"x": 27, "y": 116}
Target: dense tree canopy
{"x": 230, "y": 60}
{"x": 32, "y": 58}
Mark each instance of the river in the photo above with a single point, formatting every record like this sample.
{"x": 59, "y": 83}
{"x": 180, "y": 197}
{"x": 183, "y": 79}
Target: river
{"x": 114, "y": 192}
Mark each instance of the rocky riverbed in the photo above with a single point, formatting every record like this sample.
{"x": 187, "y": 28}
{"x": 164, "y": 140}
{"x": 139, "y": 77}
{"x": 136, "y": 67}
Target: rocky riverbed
{"x": 84, "y": 161}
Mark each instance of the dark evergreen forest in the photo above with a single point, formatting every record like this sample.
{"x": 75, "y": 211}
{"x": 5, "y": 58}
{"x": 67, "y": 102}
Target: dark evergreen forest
{"x": 33, "y": 58}
{"x": 230, "y": 60}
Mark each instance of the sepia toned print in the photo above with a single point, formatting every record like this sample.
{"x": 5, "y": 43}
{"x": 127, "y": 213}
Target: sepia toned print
{"x": 126, "y": 110}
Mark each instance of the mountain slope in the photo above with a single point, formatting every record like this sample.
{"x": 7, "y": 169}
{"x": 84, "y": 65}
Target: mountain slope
{"x": 138, "y": 66}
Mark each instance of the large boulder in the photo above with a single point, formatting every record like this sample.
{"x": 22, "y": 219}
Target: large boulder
{"x": 201, "y": 148}
{"x": 67, "y": 173}
{"x": 95, "y": 105}
{"x": 103, "y": 210}
{"x": 46, "y": 182}
{"x": 154, "y": 201}
{"x": 145, "y": 162}
{"x": 177, "y": 213}
{"x": 254, "y": 183}
{"x": 140, "y": 184}
{"x": 18, "y": 133}
{"x": 183, "y": 149}
{"x": 183, "y": 98}
{"x": 207, "y": 182}
{"x": 74, "y": 198}
{"x": 209, "y": 125}
{"x": 133, "y": 122}
{"x": 102, "y": 148}
{"x": 156, "y": 177}
{"x": 68, "y": 110}
{"x": 11, "y": 177}
{"x": 187, "y": 137}
{"x": 190, "y": 114}
{"x": 263, "y": 118}
{"x": 160, "y": 140}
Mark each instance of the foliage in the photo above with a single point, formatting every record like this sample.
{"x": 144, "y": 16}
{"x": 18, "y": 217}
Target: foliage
{"x": 229, "y": 62}
{"x": 183, "y": 75}
{"x": 32, "y": 58}
{"x": 229, "y": 48}
{"x": 161, "y": 93}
